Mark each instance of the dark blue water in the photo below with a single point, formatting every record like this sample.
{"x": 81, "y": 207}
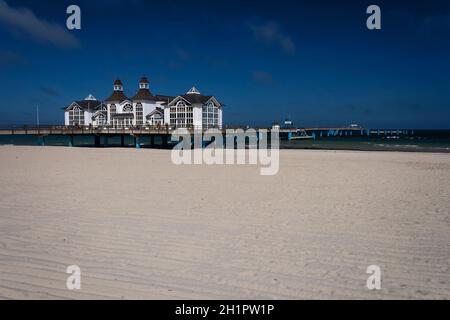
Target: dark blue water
{"x": 415, "y": 140}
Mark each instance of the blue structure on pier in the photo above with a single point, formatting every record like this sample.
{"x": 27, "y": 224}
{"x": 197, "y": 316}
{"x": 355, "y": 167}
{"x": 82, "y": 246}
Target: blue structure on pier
{"x": 289, "y": 136}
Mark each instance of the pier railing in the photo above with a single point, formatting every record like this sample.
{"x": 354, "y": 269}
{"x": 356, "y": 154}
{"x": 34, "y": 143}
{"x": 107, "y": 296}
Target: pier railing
{"x": 104, "y": 129}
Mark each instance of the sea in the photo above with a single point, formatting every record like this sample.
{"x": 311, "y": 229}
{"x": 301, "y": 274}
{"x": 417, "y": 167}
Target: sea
{"x": 414, "y": 141}
{"x": 420, "y": 141}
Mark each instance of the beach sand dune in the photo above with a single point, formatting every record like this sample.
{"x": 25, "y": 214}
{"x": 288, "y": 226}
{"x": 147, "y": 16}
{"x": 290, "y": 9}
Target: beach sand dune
{"x": 140, "y": 227}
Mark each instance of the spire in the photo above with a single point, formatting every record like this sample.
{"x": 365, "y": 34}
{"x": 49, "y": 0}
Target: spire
{"x": 143, "y": 94}
{"x": 143, "y": 83}
{"x": 117, "y": 95}
{"x": 118, "y": 86}
{"x": 193, "y": 90}
{"x": 90, "y": 98}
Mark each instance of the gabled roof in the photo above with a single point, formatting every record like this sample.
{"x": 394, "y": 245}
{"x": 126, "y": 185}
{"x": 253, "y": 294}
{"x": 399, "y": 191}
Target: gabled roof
{"x": 87, "y": 104}
{"x": 99, "y": 113}
{"x": 157, "y": 110}
{"x": 196, "y": 98}
{"x": 193, "y": 90}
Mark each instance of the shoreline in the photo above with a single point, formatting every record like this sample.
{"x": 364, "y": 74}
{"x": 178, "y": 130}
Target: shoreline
{"x": 281, "y": 148}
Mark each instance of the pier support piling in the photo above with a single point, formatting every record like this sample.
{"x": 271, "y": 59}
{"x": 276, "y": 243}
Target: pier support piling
{"x": 97, "y": 141}
{"x": 165, "y": 141}
{"x": 152, "y": 141}
{"x": 137, "y": 142}
{"x": 122, "y": 141}
{"x": 41, "y": 141}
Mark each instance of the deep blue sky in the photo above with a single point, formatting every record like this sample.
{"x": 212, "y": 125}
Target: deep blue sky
{"x": 314, "y": 60}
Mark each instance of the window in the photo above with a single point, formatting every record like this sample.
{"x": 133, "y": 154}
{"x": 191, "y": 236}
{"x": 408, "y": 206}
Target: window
{"x": 122, "y": 122}
{"x": 181, "y": 115}
{"x": 128, "y": 108}
{"x": 139, "y": 114}
{"x": 156, "y": 119}
{"x": 101, "y": 119}
{"x": 112, "y": 111}
{"x": 76, "y": 117}
{"x": 210, "y": 116}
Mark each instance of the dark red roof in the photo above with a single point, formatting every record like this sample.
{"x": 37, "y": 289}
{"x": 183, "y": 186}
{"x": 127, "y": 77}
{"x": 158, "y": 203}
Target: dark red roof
{"x": 143, "y": 80}
{"x": 117, "y": 96}
{"x": 144, "y": 95}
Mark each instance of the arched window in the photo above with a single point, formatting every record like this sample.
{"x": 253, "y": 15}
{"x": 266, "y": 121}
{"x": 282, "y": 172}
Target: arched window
{"x": 101, "y": 119}
{"x": 139, "y": 114}
{"x": 181, "y": 105}
{"x": 103, "y": 108}
{"x": 76, "y": 117}
{"x": 210, "y": 115}
{"x": 178, "y": 114}
{"x": 128, "y": 108}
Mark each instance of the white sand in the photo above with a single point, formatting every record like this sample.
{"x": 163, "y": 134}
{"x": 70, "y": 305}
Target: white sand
{"x": 141, "y": 227}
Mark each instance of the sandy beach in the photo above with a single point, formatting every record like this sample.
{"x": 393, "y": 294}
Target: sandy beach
{"x": 140, "y": 227}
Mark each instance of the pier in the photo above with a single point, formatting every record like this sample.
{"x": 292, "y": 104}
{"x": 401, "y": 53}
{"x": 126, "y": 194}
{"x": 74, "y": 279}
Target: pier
{"x": 101, "y": 136}
{"x": 152, "y": 136}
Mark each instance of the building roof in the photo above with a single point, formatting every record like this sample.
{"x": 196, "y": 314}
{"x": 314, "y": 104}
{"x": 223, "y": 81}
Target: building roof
{"x": 144, "y": 95}
{"x": 87, "y": 104}
{"x": 143, "y": 80}
{"x": 196, "y": 98}
{"x": 99, "y": 113}
{"x": 118, "y": 82}
{"x": 117, "y": 96}
{"x": 157, "y": 110}
{"x": 193, "y": 90}
{"x": 164, "y": 98}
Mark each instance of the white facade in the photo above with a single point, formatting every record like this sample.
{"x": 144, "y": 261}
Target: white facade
{"x": 194, "y": 110}
{"x": 191, "y": 110}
